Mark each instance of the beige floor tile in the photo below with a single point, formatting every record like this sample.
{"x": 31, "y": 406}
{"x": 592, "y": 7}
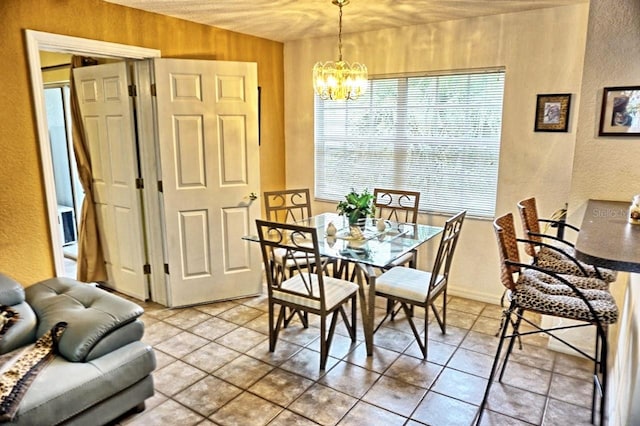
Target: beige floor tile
{"x": 216, "y": 308}
{"x": 480, "y": 342}
{"x": 560, "y": 413}
{"x": 516, "y": 403}
{"x": 159, "y": 332}
{"x": 453, "y": 336}
{"x": 213, "y": 328}
{"x": 211, "y": 357}
{"x": 340, "y": 346}
{"x": 281, "y": 387}
{"x": 466, "y": 305}
{"x": 391, "y": 339}
{"x": 437, "y": 352}
{"x": 471, "y": 362}
{"x": 350, "y": 379}
{"x": 175, "y": 377}
{"x": 187, "y": 318}
{"x": 242, "y": 339}
{"x": 169, "y": 412}
{"x": 182, "y": 344}
{"x": 243, "y": 371}
{"x": 441, "y": 410}
{"x": 246, "y": 409}
{"x": 289, "y": 418}
{"x": 571, "y": 390}
{"x": 395, "y": 395}
{"x": 323, "y": 405}
{"x": 282, "y": 352}
{"x": 366, "y": 414}
{"x": 527, "y": 378}
{"x": 415, "y": 371}
{"x": 307, "y": 363}
{"x": 240, "y": 314}
{"x": 379, "y": 361}
{"x": 463, "y": 386}
{"x": 207, "y": 395}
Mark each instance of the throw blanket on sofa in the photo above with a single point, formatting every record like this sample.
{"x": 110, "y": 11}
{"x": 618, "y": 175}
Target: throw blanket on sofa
{"x": 8, "y": 317}
{"x": 20, "y": 367}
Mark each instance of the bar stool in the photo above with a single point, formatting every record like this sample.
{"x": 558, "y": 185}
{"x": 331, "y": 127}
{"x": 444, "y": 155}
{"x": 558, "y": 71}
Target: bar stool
{"x": 565, "y": 296}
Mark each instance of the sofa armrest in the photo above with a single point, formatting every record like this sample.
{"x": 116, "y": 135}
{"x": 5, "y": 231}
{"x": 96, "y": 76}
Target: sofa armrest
{"x": 92, "y": 315}
{"x": 11, "y": 292}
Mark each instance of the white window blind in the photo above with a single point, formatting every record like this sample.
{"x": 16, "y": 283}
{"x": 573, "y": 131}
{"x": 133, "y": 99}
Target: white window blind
{"x": 439, "y": 135}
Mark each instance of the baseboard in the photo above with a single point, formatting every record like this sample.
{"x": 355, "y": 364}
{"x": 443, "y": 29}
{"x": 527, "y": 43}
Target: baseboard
{"x": 475, "y": 295}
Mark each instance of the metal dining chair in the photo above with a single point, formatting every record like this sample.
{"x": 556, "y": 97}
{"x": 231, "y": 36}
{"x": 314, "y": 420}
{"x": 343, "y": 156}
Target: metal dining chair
{"x": 413, "y": 287}
{"x": 307, "y": 289}
{"x": 538, "y": 290}
{"x": 560, "y": 256}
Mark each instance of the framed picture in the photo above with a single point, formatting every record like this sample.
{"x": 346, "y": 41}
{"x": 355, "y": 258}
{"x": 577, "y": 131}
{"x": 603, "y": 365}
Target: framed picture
{"x": 620, "y": 114}
{"x": 552, "y": 113}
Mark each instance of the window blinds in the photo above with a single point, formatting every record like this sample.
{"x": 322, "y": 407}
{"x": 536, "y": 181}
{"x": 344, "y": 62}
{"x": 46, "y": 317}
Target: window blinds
{"x": 439, "y": 135}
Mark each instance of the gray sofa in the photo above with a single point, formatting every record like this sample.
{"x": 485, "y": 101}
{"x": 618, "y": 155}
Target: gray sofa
{"x": 100, "y": 370}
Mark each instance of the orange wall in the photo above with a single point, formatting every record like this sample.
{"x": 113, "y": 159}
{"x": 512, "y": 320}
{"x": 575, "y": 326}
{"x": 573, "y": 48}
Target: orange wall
{"x": 25, "y": 252}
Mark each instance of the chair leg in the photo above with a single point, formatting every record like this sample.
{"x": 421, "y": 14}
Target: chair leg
{"x": 416, "y": 334}
{"x": 516, "y": 333}
{"x": 494, "y": 367}
{"x": 274, "y": 331}
{"x": 325, "y": 339}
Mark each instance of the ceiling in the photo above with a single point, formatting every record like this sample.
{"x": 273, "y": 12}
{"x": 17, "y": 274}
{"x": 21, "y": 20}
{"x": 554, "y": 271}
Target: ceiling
{"x": 286, "y": 20}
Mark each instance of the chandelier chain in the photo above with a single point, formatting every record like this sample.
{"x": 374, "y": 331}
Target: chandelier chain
{"x": 340, "y": 32}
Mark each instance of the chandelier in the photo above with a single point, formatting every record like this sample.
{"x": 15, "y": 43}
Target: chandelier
{"x": 339, "y": 80}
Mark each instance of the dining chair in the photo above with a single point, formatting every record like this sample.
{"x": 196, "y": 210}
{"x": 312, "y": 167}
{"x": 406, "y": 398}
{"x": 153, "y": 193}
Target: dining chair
{"x": 413, "y": 287}
{"x": 288, "y": 206}
{"x": 558, "y": 257}
{"x": 398, "y": 206}
{"x": 308, "y": 290}
{"x": 537, "y": 290}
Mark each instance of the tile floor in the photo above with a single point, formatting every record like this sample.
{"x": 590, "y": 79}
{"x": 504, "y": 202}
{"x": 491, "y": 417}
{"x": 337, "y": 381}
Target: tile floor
{"x": 214, "y": 368}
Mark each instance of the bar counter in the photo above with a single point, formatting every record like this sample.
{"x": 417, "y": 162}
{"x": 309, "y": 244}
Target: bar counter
{"x": 606, "y": 237}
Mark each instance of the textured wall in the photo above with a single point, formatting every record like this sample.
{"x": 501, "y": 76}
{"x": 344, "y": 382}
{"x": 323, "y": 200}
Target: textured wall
{"x": 542, "y": 52}
{"x": 609, "y": 168}
{"x": 25, "y": 250}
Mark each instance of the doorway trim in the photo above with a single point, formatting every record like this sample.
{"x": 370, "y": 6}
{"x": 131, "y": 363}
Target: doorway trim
{"x": 37, "y": 41}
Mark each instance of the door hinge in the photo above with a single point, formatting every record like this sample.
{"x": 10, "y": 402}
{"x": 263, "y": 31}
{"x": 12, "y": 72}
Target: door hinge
{"x": 132, "y": 90}
{"x": 153, "y": 89}
{"x": 139, "y": 183}
{"x": 160, "y": 188}
{"x": 146, "y": 269}
{"x": 166, "y": 268}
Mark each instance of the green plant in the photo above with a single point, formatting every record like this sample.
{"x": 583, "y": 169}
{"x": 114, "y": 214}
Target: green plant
{"x": 357, "y": 205}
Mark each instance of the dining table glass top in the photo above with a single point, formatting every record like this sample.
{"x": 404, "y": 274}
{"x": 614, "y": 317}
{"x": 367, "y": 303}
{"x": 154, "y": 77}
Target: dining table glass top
{"x": 371, "y": 245}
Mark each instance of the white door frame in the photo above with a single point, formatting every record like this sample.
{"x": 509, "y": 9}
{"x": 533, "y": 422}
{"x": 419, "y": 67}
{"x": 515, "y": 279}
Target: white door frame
{"x": 37, "y": 41}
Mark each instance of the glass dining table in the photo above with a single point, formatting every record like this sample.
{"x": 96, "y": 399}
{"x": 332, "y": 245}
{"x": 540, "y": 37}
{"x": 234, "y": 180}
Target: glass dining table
{"x": 368, "y": 249}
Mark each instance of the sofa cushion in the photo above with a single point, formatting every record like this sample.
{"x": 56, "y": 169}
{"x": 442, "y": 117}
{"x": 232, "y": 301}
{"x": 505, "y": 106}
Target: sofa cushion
{"x": 64, "y": 389}
{"x": 11, "y": 292}
{"x": 91, "y": 314}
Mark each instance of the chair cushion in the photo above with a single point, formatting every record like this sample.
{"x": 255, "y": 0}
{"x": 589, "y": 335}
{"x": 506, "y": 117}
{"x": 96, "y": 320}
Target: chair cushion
{"x": 407, "y": 283}
{"x": 555, "y": 261}
{"x": 530, "y": 293}
{"x": 548, "y": 284}
{"x": 335, "y": 290}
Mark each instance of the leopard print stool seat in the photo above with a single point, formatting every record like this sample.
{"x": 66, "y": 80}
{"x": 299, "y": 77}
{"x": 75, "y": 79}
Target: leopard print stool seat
{"x": 540, "y": 292}
{"x": 555, "y": 261}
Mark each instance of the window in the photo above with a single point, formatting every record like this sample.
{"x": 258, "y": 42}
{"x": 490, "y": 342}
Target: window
{"x": 439, "y": 135}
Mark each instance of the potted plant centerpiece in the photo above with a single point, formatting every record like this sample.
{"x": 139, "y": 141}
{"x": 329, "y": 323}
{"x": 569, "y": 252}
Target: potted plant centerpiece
{"x": 357, "y": 206}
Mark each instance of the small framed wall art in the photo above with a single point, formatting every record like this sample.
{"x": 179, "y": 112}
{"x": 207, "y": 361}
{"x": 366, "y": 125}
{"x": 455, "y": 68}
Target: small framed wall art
{"x": 552, "y": 112}
{"x": 620, "y": 114}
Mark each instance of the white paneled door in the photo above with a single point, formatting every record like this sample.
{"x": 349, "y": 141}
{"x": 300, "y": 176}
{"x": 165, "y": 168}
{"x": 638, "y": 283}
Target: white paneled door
{"x": 207, "y": 122}
{"x": 109, "y": 128}
{"x": 207, "y": 163}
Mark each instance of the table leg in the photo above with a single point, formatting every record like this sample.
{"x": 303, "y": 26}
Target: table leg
{"x": 367, "y": 304}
